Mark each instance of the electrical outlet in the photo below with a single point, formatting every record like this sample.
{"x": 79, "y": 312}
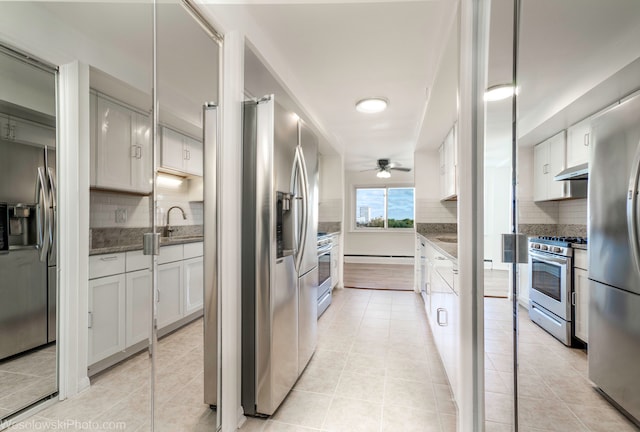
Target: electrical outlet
{"x": 121, "y": 215}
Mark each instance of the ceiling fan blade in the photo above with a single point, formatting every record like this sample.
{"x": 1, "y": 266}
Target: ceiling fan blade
{"x": 370, "y": 169}
{"x": 401, "y": 169}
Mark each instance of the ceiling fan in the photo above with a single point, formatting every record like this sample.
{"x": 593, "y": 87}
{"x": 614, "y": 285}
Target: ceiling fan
{"x": 384, "y": 168}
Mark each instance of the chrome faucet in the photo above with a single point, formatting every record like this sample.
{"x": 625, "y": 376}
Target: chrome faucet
{"x": 184, "y": 217}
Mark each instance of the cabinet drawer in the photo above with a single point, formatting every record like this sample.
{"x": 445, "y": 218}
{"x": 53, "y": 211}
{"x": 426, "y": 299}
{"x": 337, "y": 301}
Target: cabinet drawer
{"x": 137, "y": 260}
{"x": 170, "y": 254}
{"x": 580, "y": 259}
{"x": 192, "y": 250}
{"x": 106, "y": 265}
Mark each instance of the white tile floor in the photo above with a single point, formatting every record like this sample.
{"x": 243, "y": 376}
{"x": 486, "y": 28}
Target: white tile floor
{"x": 555, "y": 393}
{"x": 375, "y": 369}
{"x": 26, "y": 379}
{"x": 118, "y": 399}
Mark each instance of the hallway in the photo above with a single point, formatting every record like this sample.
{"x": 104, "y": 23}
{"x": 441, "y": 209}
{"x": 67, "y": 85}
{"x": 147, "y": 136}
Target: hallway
{"x": 376, "y": 368}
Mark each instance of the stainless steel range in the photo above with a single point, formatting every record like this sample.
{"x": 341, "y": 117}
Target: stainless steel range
{"x": 550, "y": 284}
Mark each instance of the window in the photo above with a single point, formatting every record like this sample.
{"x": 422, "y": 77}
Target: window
{"x": 384, "y": 207}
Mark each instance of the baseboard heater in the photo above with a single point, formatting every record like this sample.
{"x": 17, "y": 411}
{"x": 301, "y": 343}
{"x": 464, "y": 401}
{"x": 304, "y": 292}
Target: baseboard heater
{"x": 381, "y": 256}
{"x": 379, "y": 259}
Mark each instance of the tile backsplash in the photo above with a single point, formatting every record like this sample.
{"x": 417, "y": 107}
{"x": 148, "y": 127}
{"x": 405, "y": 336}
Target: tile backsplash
{"x": 573, "y": 212}
{"x": 530, "y": 212}
{"x": 330, "y": 210}
{"x": 118, "y": 210}
{"x": 436, "y": 211}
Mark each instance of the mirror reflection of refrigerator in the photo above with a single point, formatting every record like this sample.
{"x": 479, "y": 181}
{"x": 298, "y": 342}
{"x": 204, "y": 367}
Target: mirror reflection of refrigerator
{"x": 27, "y": 249}
{"x": 279, "y": 257}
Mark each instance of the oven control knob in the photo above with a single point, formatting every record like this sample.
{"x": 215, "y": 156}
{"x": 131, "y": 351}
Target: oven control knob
{"x": 544, "y": 247}
{"x": 557, "y": 249}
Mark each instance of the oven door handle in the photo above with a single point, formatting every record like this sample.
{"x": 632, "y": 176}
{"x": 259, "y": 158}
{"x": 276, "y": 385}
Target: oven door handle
{"x": 324, "y": 249}
{"x": 549, "y": 257}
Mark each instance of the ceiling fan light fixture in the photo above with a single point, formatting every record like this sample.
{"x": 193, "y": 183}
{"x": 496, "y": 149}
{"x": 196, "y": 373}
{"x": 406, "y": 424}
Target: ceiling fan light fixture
{"x": 383, "y": 174}
{"x": 499, "y": 92}
{"x": 371, "y": 105}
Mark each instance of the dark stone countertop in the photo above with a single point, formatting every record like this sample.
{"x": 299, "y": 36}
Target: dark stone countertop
{"x": 164, "y": 241}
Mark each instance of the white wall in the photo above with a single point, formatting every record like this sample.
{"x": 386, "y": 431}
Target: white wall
{"x": 331, "y": 173}
{"x": 385, "y": 243}
{"x": 429, "y": 208}
{"x": 497, "y": 211}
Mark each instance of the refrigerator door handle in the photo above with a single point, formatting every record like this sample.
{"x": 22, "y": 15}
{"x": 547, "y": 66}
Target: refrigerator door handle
{"x": 52, "y": 206}
{"x": 305, "y": 203}
{"x": 632, "y": 210}
{"x": 41, "y": 192}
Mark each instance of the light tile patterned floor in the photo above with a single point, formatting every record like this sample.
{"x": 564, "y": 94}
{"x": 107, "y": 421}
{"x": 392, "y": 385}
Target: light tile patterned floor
{"x": 118, "y": 398}
{"x": 376, "y": 369}
{"x": 26, "y": 379}
{"x": 554, "y": 389}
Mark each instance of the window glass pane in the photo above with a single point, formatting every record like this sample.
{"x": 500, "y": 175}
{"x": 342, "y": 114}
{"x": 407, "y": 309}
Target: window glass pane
{"x": 400, "y": 207}
{"x": 370, "y": 208}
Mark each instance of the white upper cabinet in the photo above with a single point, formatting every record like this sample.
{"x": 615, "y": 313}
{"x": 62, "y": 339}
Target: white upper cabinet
{"x": 26, "y": 132}
{"x": 578, "y": 143}
{"x": 548, "y": 160}
{"x": 122, "y": 148}
{"x": 448, "y": 166}
{"x": 181, "y": 153}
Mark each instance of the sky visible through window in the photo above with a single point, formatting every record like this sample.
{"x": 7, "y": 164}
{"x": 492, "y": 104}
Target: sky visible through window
{"x": 370, "y": 205}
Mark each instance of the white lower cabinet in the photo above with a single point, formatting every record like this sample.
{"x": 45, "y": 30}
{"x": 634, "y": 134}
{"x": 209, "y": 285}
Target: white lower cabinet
{"x": 138, "y": 321}
{"x": 120, "y": 296}
{"x": 442, "y": 305}
{"x": 170, "y": 293}
{"x": 193, "y": 284}
{"x": 106, "y": 317}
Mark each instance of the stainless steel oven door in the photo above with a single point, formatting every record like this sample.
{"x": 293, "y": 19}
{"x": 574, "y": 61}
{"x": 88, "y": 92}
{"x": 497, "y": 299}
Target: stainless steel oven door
{"x": 324, "y": 270}
{"x": 550, "y": 283}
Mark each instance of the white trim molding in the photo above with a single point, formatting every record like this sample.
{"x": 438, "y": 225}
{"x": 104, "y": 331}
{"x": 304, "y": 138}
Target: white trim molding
{"x": 231, "y": 228}
{"x": 73, "y": 226}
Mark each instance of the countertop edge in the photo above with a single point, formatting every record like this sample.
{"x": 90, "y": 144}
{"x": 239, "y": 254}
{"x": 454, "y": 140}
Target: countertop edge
{"x": 137, "y": 247}
{"x": 436, "y": 244}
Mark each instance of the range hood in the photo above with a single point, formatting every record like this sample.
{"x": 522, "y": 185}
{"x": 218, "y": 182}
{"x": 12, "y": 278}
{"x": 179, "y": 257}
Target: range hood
{"x": 578, "y": 172}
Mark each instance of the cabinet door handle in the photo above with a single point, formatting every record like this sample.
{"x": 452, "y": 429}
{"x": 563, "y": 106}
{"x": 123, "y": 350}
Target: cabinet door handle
{"x": 138, "y": 152}
{"x": 573, "y": 298}
{"x": 439, "y": 312}
{"x": 184, "y": 154}
{"x": 12, "y": 132}
{"x": 90, "y": 320}
{"x": 586, "y": 139}
{"x": 109, "y": 258}
{"x": 157, "y": 296}
{"x": 545, "y": 169}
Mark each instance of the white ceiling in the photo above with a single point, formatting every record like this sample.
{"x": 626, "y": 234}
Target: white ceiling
{"x": 332, "y": 54}
{"x": 329, "y": 54}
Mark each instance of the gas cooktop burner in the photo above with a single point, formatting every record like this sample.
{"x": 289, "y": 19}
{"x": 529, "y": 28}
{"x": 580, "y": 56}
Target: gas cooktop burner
{"x": 559, "y": 240}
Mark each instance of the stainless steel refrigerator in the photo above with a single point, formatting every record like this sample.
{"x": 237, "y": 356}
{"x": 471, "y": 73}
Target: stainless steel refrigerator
{"x": 27, "y": 246}
{"x": 279, "y": 257}
{"x": 614, "y": 255}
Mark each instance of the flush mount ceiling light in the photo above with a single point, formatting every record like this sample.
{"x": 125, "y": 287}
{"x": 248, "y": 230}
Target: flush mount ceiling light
{"x": 499, "y": 92}
{"x": 383, "y": 174}
{"x": 372, "y": 105}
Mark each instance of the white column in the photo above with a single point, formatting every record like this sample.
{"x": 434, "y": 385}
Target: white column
{"x": 232, "y": 96}
{"x": 73, "y": 226}
{"x": 474, "y": 16}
